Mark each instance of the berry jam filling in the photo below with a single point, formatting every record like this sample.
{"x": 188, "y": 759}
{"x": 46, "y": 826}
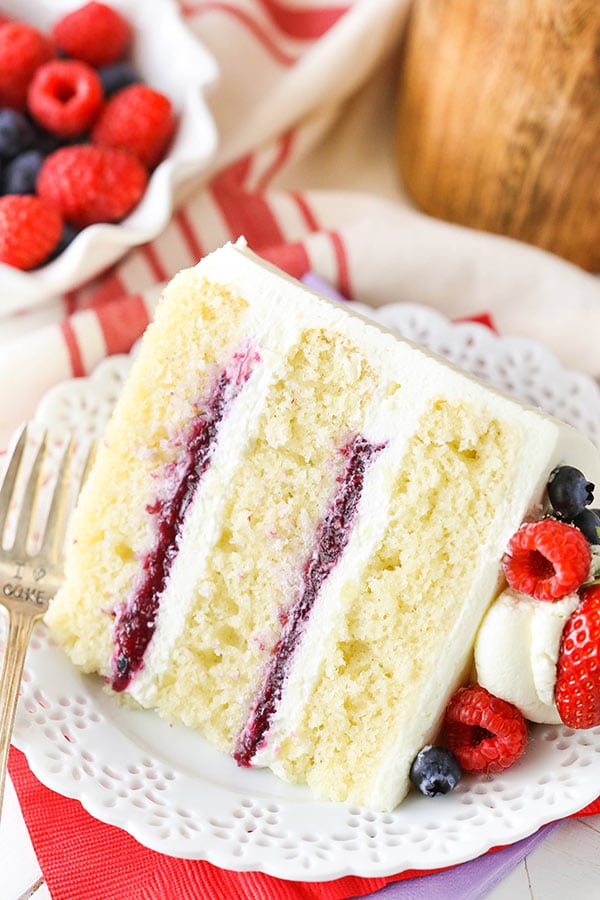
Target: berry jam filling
{"x": 135, "y": 621}
{"x": 333, "y": 534}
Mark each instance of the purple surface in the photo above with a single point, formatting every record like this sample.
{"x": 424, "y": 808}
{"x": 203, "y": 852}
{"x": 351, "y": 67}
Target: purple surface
{"x": 471, "y": 880}
{"x": 316, "y": 283}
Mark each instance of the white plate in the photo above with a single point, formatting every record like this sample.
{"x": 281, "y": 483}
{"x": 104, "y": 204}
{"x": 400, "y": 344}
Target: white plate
{"x": 174, "y": 793}
{"x": 172, "y": 60}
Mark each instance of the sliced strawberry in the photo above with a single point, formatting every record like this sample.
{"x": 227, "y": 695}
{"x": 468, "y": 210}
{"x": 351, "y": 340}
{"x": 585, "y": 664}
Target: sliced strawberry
{"x": 577, "y": 690}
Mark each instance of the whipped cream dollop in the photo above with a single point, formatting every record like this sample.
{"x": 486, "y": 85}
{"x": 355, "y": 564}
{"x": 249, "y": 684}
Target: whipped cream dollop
{"x": 516, "y": 651}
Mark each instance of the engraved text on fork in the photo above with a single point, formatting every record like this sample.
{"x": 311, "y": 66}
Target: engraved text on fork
{"x": 18, "y": 590}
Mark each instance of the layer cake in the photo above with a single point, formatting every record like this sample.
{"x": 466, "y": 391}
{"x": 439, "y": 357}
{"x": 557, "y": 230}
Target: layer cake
{"x": 294, "y": 527}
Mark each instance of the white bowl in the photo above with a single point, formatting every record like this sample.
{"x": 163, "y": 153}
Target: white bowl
{"x": 171, "y": 59}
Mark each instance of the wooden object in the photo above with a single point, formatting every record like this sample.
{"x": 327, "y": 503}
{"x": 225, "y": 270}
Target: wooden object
{"x": 499, "y": 119}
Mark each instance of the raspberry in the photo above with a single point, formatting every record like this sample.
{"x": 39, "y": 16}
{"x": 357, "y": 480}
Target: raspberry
{"x": 94, "y": 33}
{"x": 138, "y": 119}
{"x": 547, "y": 559}
{"x": 485, "y": 733}
{"x": 91, "y": 184}
{"x": 29, "y": 230}
{"x": 22, "y": 50}
{"x": 65, "y": 97}
{"x": 577, "y": 690}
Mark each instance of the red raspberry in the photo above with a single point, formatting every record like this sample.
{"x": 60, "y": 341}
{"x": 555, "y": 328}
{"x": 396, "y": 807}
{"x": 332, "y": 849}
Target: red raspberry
{"x": 485, "y": 733}
{"x": 30, "y": 229}
{"x": 547, "y": 559}
{"x": 577, "y": 690}
{"x": 91, "y": 184}
{"x": 22, "y": 50}
{"x": 95, "y": 33}
{"x": 138, "y": 119}
{"x": 65, "y": 97}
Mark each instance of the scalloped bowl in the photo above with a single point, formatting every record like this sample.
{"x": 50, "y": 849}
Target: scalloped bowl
{"x": 172, "y": 60}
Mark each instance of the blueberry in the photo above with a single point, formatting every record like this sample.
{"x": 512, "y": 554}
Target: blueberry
{"x": 45, "y": 141}
{"x": 435, "y": 770}
{"x": 117, "y": 76}
{"x": 122, "y": 663}
{"x": 16, "y": 134}
{"x": 588, "y": 521}
{"x": 69, "y": 233}
{"x": 21, "y": 172}
{"x": 569, "y": 492}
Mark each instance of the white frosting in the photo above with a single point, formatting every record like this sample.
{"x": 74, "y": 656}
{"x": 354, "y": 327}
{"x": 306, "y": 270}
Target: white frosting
{"x": 516, "y": 651}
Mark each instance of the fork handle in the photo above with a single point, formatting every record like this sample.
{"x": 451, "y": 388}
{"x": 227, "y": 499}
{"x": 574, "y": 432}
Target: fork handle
{"x": 20, "y": 627}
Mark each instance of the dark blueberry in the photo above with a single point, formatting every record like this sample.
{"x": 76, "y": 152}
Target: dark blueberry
{"x": 569, "y": 492}
{"x": 117, "y": 76}
{"x": 21, "y": 172}
{"x": 588, "y": 521}
{"x": 44, "y": 141}
{"x": 122, "y": 663}
{"x": 16, "y": 134}
{"x": 67, "y": 236}
{"x": 435, "y": 770}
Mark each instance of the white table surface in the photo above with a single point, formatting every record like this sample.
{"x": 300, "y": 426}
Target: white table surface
{"x": 566, "y": 866}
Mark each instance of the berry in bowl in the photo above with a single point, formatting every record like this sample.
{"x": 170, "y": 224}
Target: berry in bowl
{"x": 98, "y": 128}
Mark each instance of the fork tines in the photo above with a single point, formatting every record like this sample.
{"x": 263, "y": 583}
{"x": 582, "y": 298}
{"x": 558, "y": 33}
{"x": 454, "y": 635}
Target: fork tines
{"x": 60, "y": 495}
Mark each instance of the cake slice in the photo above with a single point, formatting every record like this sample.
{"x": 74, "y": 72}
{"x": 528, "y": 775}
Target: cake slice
{"x": 294, "y": 527}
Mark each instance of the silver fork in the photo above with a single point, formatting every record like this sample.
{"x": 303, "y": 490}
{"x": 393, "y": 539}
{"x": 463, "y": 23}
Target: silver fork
{"x": 28, "y": 581}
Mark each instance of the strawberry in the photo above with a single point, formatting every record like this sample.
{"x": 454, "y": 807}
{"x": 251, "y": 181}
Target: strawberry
{"x": 95, "y": 33}
{"x": 65, "y": 97}
{"x": 547, "y": 559}
{"x": 485, "y": 733}
{"x": 577, "y": 690}
{"x": 138, "y": 119}
{"x": 22, "y": 50}
{"x": 91, "y": 184}
{"x": 30, "y": 229}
